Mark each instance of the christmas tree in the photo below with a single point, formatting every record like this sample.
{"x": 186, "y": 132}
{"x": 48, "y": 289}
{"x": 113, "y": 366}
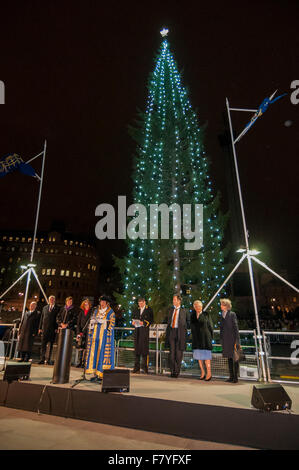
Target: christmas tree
{"x": 171, "y": 168}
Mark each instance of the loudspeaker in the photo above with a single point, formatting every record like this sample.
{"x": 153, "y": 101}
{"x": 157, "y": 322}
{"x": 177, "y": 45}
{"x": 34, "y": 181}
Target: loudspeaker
{"x": 116, "y": 380}
{"x": 270, "y": 397}
{"x": 17, "y": 372}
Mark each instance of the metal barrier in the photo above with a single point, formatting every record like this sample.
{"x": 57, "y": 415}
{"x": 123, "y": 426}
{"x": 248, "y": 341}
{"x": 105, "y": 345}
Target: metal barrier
{"x": 158, "y": 357}
{"x": 11, "y": 340}
{"x": 281, "y": 353}
{"x": 282, "y": 356}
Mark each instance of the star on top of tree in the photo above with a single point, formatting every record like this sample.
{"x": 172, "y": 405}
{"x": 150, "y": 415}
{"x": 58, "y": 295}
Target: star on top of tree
{"x": 164, "y": 32}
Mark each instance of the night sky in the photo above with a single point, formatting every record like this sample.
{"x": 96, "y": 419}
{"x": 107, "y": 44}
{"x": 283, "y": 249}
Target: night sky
{"x": 76, "y": 75}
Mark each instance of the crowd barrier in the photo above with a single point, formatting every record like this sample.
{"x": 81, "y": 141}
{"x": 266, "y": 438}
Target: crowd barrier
{"x": 281, "y": 353}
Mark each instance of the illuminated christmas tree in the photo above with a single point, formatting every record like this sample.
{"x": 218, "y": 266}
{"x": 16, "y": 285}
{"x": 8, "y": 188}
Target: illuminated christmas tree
{"x": 171, "y": 168}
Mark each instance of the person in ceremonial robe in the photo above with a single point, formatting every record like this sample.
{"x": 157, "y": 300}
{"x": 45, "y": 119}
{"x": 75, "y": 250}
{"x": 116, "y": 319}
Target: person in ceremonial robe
{"x": 27, "y": 331}
{"x": 100, "y": 342}
{"x": 142, "y": 318}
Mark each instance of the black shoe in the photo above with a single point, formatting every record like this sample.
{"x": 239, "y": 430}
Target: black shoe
{"x": 235, "y": 381}
{"x": 41, "y": 361}
{"x": 136, "y": 371}
{"x": 203, "y": 377}
{"x": 207, "y": 380}
{"x": 229, "y": 380}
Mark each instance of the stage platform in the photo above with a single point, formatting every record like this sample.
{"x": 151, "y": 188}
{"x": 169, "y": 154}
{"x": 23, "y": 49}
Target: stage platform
{"x": 187, "y": 407}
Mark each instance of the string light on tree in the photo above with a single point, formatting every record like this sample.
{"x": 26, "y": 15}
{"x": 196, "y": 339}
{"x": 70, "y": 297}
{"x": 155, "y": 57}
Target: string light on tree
{"x": 171, "y": 167}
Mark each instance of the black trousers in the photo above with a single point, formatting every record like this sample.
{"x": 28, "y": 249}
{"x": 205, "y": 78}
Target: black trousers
{"x": 176, "y": 355}
{"x": 144, "y": 361}
{"x": 233, "y": 369}
{"x": 43, "y": 349}
{"x": 25, "y": 355}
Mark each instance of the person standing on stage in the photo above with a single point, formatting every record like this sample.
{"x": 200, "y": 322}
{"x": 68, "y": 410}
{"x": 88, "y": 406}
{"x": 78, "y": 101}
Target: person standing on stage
{"x": 67, "y": 316}
{"x": 176, "y": 332}
{"x": 48, "y": 329}
{"x": 100, "y": 342}
{"x": 202, "y": 335}
{"x": 229, "y": 337}
{"x": 142, "y": 318}
{"x": 82, "y": 328}
{"x": 28, "y": 329}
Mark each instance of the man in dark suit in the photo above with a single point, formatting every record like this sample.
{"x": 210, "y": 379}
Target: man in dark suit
{"x": 142, "y": 319}
{"x": 229, "y": 337}
{"x": 176, "y": 332}
{"x": 48, "y": 329}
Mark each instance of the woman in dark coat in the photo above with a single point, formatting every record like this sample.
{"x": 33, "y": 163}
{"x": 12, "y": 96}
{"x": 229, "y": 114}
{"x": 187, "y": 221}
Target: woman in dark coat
{"x": 82, "y": 328}
{"x": 27, "y": 331}
{"x": 202, "y": 335}
{"x": 229, "y": 337}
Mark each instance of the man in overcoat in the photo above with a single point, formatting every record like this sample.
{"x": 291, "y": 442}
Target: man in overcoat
{"x": 142, "y": 318}
{"x": 48, "y": 329}
{"x": 229, "y": 337}
{"x": 176, "y": 332}
{"x": 28, "y": 329}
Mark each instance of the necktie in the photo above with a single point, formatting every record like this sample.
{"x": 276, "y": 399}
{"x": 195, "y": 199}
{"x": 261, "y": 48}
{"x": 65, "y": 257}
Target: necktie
{"x": 174, "y": 318}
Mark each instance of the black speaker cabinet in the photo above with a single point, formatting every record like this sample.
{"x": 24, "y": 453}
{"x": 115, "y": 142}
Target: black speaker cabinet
{"x": 116, "y": 380}
{"x": 270, "y": 397}
{"x": 17, "y": 372}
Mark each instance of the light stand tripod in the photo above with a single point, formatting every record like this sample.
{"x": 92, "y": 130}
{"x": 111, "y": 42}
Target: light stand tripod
{"x": 30, "y": 267}
{"x": 247, "y": 253}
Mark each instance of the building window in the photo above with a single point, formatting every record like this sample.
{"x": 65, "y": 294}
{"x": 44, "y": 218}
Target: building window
{"x": 43, "y": 272}
{"x": 67, "y": 273}
{"x": 53, "y": 272}
{"x": 48, "y": 272}
{"x": 62, "y": 272}
{"x": 74, "y": 274}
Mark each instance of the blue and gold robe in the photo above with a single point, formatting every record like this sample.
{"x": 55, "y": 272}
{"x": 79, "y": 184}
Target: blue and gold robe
{"x": 100, "y": 342}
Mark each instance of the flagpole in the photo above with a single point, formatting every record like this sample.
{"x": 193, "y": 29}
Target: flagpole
{"x": 248, "y": 253}
{"x": 38, "y": 202}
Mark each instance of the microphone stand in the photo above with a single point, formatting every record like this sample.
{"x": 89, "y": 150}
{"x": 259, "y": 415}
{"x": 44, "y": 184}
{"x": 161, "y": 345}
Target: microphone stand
{"x": 83, "y": 377}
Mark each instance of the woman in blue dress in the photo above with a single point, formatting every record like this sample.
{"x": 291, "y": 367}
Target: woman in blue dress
{"x": 202, "y": 335}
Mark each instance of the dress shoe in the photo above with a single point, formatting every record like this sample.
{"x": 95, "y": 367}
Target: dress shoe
{"x": 235, "y": 381}
{"x": 41, "y": 361}
{"x": 207, "y": 380}
{"x": 202, "y": 377}
{"x": 229, "y": 380}
{"x": 136, "y": 371}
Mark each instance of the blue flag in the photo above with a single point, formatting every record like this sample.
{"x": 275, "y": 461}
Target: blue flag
{"x": 14, "y": 162}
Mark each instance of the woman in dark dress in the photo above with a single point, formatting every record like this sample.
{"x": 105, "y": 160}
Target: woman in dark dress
{"x": 202, "y": 335}
{"x": 27, "y": 331}
{"x": 82, "y": 329}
